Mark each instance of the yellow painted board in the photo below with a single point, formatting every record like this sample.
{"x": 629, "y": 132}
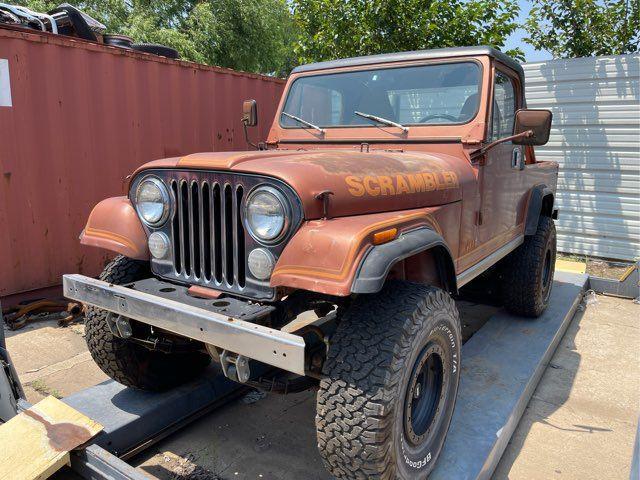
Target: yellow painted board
{"x": 569, "y": 266}
{"x": 36, "y": 443}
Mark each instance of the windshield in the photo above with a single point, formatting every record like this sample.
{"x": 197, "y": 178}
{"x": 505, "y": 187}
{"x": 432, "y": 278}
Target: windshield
{"x": 441, "y": 94}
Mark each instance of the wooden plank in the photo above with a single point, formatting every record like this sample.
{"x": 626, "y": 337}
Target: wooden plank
{"x": 571, "y": 266}
{"x": 36, "y": 443}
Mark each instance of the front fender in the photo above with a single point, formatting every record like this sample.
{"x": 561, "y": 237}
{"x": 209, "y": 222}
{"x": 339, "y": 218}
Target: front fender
{"x": 324, "y": 255}
{"x": 114, "y": 225}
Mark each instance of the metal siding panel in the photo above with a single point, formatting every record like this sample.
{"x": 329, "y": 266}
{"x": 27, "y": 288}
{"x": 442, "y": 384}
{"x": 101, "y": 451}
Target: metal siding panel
{"x": 83, "y": 117}
{"x": 596, "y": 139}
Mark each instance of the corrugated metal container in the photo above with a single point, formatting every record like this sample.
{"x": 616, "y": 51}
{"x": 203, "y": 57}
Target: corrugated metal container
{"x": 76, "y": 118}
{"x": 596, "y": 139}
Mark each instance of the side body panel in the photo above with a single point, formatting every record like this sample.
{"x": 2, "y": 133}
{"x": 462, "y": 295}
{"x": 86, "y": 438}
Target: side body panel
{"x": 501, "y": 186}
{"x": 114, "y": 225}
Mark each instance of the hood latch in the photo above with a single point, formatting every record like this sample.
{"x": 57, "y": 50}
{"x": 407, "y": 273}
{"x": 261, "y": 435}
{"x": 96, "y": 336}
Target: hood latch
{"x": 323, "y": 196}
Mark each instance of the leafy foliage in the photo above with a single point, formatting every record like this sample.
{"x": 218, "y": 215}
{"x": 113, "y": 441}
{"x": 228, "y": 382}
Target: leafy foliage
{"x": 583, "y": 28}
{"x": 330, "y": 29}
{"x": 272, "y": 36}
{"x": 250, "y": 35}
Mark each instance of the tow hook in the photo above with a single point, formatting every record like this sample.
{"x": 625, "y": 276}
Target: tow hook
{"x": 235, "y": 367}
{"x": 124, "y": 327}
{"x": 119, "y": 325}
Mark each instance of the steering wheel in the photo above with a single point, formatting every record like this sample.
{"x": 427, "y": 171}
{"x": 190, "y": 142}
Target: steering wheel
{"x": 439, "y": 115}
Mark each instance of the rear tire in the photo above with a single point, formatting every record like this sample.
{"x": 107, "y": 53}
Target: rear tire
{"x": 390, "y": 383}
{"x": 126, "y": 362}
{"x": 528, "y": 272}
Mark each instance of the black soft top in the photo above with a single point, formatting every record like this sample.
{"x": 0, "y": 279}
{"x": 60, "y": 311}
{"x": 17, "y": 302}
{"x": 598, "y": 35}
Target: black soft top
{"x": 415, "y": 55}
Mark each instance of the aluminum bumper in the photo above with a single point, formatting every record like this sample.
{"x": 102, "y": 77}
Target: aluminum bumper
{"x": 273, "y": 347}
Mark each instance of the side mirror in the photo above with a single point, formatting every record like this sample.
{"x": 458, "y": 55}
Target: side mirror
{"x": 250, "y": 113}
{"x": 537, "y": 121}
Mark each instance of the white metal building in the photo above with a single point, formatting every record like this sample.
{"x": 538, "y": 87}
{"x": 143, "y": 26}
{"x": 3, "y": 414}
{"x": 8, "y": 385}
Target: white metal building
{"x": 596, "y": 139}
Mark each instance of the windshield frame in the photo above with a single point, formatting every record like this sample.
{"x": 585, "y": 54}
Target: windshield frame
{"x": 387, "y": 66}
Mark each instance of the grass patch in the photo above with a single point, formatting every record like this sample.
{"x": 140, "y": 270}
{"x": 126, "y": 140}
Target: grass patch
{"x": 42, "y": 388}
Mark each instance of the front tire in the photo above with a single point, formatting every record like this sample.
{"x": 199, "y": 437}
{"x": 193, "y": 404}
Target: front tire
{"x": 528, "y": 272}
{"x": 390, "y": 383}
{"x": 126, "y": 362}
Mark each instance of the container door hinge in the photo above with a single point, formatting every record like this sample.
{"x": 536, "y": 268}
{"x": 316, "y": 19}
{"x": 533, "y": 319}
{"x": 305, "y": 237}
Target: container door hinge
{"x": 479, "y": 217}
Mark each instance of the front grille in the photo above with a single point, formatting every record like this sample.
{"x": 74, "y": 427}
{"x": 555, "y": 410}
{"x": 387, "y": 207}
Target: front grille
{"x": 209, "y": 245}
{"x": 207, "y": 234}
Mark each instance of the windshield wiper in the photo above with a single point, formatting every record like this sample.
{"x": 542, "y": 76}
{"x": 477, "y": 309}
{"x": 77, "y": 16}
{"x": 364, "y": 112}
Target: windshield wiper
{"x": 303, "y": 122}
{"x": 384, "y": 121}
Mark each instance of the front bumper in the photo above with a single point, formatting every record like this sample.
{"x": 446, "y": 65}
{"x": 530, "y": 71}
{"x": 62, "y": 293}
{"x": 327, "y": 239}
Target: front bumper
{"x": 193, "y": 320}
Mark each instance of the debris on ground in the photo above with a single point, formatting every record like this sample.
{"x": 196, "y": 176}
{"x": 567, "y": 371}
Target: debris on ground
{"x": 599, "y": 267}
{"x": 253, "y": 396}
{"x": 186, "y": 468}
{"x": 590, "y": 298}
{"x": 63, "y": 311}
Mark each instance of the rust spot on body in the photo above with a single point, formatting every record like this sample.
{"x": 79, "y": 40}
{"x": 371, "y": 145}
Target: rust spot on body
{"x": 62, "y": 436}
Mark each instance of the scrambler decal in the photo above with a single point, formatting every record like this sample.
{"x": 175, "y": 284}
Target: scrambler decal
{"x": 401, "y": 183}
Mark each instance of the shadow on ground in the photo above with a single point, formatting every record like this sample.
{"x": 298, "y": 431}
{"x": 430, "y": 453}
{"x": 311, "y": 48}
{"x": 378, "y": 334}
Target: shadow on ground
{"x": 260, "y": 436}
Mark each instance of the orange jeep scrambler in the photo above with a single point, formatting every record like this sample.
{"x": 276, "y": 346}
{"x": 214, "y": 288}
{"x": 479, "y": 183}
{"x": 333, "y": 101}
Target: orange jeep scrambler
{"x": 386, "y": 183}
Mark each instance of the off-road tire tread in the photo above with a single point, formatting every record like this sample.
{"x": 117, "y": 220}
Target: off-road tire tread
{"x": 127, "y": 363}
{"x": 522, "y": 270}
{"x": 354, "y": 419}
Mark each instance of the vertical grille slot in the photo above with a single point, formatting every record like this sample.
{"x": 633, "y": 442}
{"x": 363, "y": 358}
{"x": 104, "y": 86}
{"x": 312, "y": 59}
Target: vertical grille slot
{"x": 195, "y": 220}
{"x": 174, "y": 230}
{"x": 207, "y": 233}
{"x": 217, "y": 234}
{"x": 228, "y": 234}
{"x": 240, "y": 252}
{"x": 185, "y": 243}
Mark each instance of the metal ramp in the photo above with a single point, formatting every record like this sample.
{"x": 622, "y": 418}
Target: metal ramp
{"x": 502, "y": 364}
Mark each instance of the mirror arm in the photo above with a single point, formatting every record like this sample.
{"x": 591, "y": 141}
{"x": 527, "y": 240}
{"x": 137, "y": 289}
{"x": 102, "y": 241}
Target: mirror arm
{"x": 246, "y": 135}
{"x": 482, "y": 151}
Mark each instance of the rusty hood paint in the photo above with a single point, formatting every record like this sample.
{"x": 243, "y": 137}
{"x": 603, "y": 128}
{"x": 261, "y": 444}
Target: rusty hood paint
{"x": 360, "y": 182}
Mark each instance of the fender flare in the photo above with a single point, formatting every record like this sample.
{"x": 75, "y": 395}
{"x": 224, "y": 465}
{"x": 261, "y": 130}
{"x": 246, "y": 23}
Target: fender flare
{"x": 377, "y": 262}
{"x": 534, "y": 209}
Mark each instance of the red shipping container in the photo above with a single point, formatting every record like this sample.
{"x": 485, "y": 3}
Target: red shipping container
{"x": 77, "y": 117}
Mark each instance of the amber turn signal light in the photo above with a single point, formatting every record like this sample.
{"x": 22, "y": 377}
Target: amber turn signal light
{"x": 385, "y": 236}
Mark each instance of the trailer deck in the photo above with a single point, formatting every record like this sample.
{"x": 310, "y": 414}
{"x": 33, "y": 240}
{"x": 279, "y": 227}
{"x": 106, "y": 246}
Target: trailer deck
{"x": 503, "y": 362}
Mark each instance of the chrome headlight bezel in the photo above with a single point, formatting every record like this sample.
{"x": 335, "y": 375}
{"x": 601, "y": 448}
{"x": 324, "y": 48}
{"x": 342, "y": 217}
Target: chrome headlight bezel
{"x": 286, "y": 209}
{"x": 166, "y": 201}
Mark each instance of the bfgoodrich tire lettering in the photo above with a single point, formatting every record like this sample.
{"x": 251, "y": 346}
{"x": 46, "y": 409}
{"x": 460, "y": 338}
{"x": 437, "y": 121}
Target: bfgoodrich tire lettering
{"x": 361, "y": 420}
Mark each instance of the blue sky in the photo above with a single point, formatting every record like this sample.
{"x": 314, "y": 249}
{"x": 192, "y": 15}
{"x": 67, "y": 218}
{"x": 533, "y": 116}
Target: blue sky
{"x": 515, "y": 40}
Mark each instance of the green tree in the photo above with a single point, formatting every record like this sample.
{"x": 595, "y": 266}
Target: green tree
{"x": 583, "y": 28}
{"x": 330, "y": 29}
{"x": 250, "y": 35}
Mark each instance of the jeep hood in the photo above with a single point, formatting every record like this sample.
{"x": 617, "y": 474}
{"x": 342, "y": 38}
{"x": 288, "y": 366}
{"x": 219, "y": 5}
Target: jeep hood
{"x": 361, "y": 182}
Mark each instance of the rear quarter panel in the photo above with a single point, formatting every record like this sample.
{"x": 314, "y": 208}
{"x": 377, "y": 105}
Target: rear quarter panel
{"x": 539, "y": 173}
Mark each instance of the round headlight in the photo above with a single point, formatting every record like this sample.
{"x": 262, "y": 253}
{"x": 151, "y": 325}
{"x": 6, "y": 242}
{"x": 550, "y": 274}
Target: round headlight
{"x": 266, "y": 214}
{"x": 152, "y": 201}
